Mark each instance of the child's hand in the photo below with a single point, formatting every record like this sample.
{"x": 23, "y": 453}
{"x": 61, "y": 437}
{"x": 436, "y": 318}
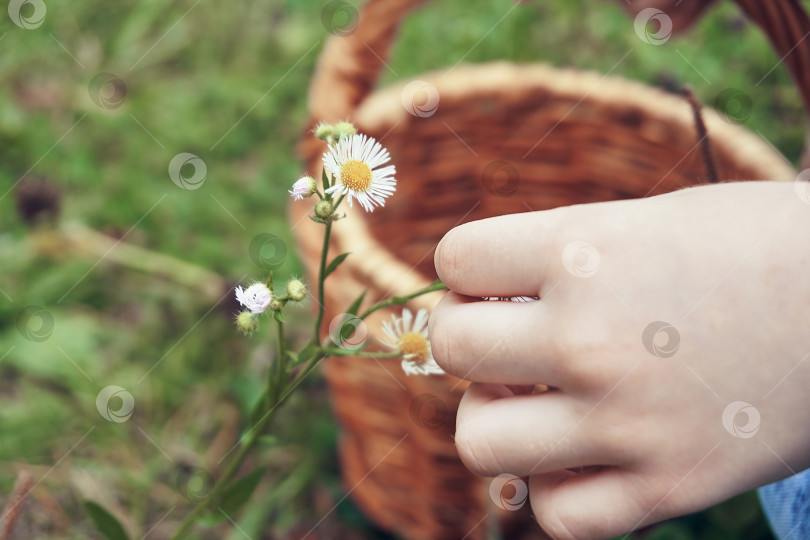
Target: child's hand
{"x": 655, "y": 317}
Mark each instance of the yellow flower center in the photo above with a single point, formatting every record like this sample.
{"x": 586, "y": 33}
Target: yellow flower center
{"x": 356, "y": 175}
{"x": 415, "y": 344}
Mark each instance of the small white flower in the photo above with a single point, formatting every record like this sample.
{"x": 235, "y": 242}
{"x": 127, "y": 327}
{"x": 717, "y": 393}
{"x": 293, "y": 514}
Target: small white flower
{"x": 304, "y": 187}
{"x": 410, "y": 337}
{"x": 355, "y": 163}
{"x": 256, "y": 297}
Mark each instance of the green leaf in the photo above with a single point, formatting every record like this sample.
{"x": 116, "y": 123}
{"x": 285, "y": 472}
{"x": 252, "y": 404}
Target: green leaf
{"x": 324, "y": 179}
{"x": 105, "y": 522}
{"x": 269, "y": 440}
{"x": 334, "y": 264}
{"x": 355, "y": 307}
{"x": 279, "y": 316}
{"x": 212, "y": 519}
{"x": 239, "y": 492}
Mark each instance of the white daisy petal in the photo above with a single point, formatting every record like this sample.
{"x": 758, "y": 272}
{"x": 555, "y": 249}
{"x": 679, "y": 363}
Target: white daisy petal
{"x": 398, "y": 325}
{"x": 389, "y": 331}
{"x": 432, "y": 368}
{"x": 421, "y": 320}
{"x": 410, "y": 368}
{"x": 429, "y": 367}
{"x": 407, "y": 317}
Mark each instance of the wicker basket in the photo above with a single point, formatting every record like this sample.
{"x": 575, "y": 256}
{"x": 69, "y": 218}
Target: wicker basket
{"x": 503, "y": 139}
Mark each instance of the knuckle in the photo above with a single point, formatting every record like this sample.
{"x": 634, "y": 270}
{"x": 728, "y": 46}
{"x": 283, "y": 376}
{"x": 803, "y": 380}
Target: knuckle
{"x": 585, "y": 349}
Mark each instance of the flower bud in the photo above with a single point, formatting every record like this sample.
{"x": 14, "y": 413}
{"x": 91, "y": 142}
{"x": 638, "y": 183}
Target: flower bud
{"x": 325, "y": 131}
{"x": 296, "y": 290}
{"x": 246, "y": 322}
{"x": 323, "y": 210}
{"x": 276, "y": 304}
{"x": 304, "y": 187}
{"x": 345, "y": 129}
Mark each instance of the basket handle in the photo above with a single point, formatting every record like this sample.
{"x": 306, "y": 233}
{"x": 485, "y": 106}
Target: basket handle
{"x": 349, "y": 65}
{"x": 787, "y": 24}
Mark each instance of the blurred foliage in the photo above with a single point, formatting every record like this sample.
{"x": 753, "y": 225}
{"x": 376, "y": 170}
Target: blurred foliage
{"x": 227, "y": 82}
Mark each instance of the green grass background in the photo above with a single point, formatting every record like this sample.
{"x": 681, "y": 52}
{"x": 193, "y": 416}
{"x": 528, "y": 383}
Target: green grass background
{"x": 236, "y": 74}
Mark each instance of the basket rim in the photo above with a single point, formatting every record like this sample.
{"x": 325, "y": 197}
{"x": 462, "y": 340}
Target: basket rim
{"x": 376, "y": 111}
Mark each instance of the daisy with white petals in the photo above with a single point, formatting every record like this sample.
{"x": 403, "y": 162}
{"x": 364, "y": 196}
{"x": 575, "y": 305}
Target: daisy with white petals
{"x": 410, "y": 337}
{"x": 356, "y": 163}
{"x": 256, "y": 297}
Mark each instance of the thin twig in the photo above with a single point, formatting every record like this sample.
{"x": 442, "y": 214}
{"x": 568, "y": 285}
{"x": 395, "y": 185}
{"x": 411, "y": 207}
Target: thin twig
{"x": 703, "y": 135}
{"x": 12, "y": 511}
{"x": 81, "y": 238}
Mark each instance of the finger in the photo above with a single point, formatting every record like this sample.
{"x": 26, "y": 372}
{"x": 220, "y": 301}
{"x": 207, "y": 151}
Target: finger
{"x": 497, "y": 432}
{"x": 500, "y": 256}
{"x": 599, "y": 503}
{"x": 496, "y": 342}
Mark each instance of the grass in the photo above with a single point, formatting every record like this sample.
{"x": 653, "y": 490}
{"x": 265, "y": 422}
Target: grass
{"x": 227, "y": 82}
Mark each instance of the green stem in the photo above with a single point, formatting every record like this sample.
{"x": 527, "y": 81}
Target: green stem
{"x": 276, "y": 377}
{"x": 282, "y": 349}
{"x": 303, "y": 373}
{"x": 274, "y": 372}
{"x": 278, "y": 386}
{"x": 363, "y": 354}
{"x": 327, "y": 233}
{"x": 222, "y": 482}
{"x": 322, "y": 270}
{"x": 269, "y": 280}
{"x": 307, "y": 368}
{"x": 394, "y": 300}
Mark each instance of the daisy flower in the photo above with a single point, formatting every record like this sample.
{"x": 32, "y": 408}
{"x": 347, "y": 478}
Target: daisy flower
{"x": 256, "y": 297}
{"x": 410, "y": 337}
{"x": 511, "y": 298}
{"x": 356, "y": 163}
